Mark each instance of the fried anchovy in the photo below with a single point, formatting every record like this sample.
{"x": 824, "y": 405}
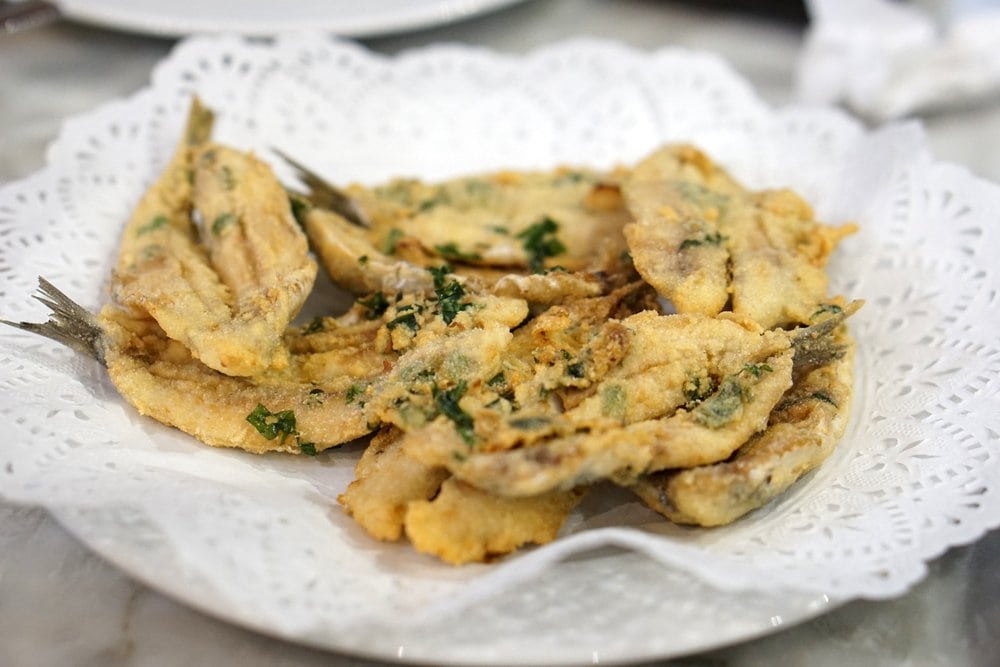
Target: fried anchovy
{"x": 69, "y": 323}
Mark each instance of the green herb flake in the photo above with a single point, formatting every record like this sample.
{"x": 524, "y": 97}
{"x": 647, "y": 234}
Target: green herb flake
{"x": 497, "y": 380}
{"x": 391, "y": 240}
{"x": 721, "y": 407}
{"x": 539, "y": 241}
{"x": 227, "y": 178}
{"x": 409, "y": 320}
{"x": 613, "y": 402}
{"x": 823, "y": 397}
{"x": 440, "y": 198}
{"x": 451, "y": 251}
{"x": 529, "y": 423}
{"x": 757, "y": 370}
{"x": 307, "y": 448}
{"x": 577, "y": 369}
{"x": 827, "y": 308}
{"x": 501, "y": 230}
{"x": 695, "y": 391}
{"x": 223, "y": 221}
{"x": 300, "y": 208}
{"x": 273, "y": 424}
{"x": 376, "y": 304}
{"x": 154, "y": 224}
{"x": 571, "y": 177}
{"x": 151, "y": 251}
{"x": 353, "y": 392}
{"x": 715, "y": 239}
{"x": 477, "y": 187}
{"x": 449, "y": 293}
{"x": 446, "y": 401}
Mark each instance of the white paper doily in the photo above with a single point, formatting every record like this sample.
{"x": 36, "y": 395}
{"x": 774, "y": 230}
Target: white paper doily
{"x": 261, "y": 541}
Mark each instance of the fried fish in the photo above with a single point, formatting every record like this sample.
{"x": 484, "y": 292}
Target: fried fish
{"x": 214, "y": 255}
{"x": 708, "y": 244}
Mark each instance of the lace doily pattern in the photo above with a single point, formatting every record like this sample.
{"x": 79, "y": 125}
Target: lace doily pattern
{"x": 261, "y": 541}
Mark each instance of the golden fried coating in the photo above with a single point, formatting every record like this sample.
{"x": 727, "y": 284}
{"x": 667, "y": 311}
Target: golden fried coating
{"x": 680, "y": 390}
{"x": 705, "y": 242}
{"x": 355, "y": 263}
{"x": 499, "y": 219}
{"x": 464, "y": 524}
{"x": 227, "y": 288}
{"x": 802, "y": 432}
{"x": 544, "y": 237}
{"x": 161, "y": 379}
{"x": 385, "y": 482}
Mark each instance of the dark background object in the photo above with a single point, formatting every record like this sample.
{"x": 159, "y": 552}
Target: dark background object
{"x": 786, "y": 10}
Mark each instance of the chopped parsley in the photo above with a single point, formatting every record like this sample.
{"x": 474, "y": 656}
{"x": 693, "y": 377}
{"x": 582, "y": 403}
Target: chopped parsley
{"x": 823, "y": 397}
{"x": 709, "y": 239}
{"x": 391, "y": 240}
{"x": 571, "y": 177}
{"x": 477, "y": 188}
{"x": 154, "y": 224}
{"x": 376, "y": 304}
{"x": 363, "y": 260}
{"x": 273, "y": 425}
{"x": 577, "y": 369}
{"x": 449, "y": 293}
{"x": 497, "y": 380}
{"x": 825, "y": 308}
{"x": 353, "y": 392}
{"x": 409, "y": 320}
{"x": 221, "y": 222}
{"x": 694, "y": 392}
{"x": 613, "y": 402}
{"x": 721, "y": 407}
{"x": 439, "y": 198}
{"x": 300, "y": 208}
{"x": 529, "y": 423}
{"x": 446, "y": 401}
{"x": 451, "y": 251}
{"x": 227, "y": 178}
{"x": 539, "y": 241}
{"x": 757, "y": 370}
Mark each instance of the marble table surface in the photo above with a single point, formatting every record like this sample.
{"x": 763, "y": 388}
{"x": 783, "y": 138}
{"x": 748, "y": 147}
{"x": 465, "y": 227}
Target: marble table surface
{"x": 62, "y": 605}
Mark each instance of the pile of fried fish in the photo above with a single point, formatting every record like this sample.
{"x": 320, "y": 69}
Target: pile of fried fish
{"x": 515, "y": 339}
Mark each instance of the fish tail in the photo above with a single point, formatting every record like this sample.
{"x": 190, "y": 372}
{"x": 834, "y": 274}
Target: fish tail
{"x": 69, "y": 323}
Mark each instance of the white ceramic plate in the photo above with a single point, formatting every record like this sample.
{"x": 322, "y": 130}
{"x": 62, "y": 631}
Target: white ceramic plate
{"x": 261, "y": 542}
{"x": 268, "y": 17}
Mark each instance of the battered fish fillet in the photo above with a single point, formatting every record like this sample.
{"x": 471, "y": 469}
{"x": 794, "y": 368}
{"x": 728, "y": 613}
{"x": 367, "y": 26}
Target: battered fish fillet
{"x": 225, "y": 288}
{"x": 160, "y": 378}
{"x": 385, "y": 482}
{"x": 544, "y": 237}
{"x": 464, "y": 524}
{"x": 321, "y": 398}
{"x": 688, "y": 390}
{"x": 458, "y": 523}
{"x": 705, "y": 242}
{"x": 802, "y": 432}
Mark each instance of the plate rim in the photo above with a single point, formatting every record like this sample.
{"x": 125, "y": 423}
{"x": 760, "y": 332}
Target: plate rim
{"x": 424, "y": 14}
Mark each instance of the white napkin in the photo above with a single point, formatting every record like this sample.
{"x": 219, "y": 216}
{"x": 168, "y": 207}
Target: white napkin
{"x": 888, "y": 59}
